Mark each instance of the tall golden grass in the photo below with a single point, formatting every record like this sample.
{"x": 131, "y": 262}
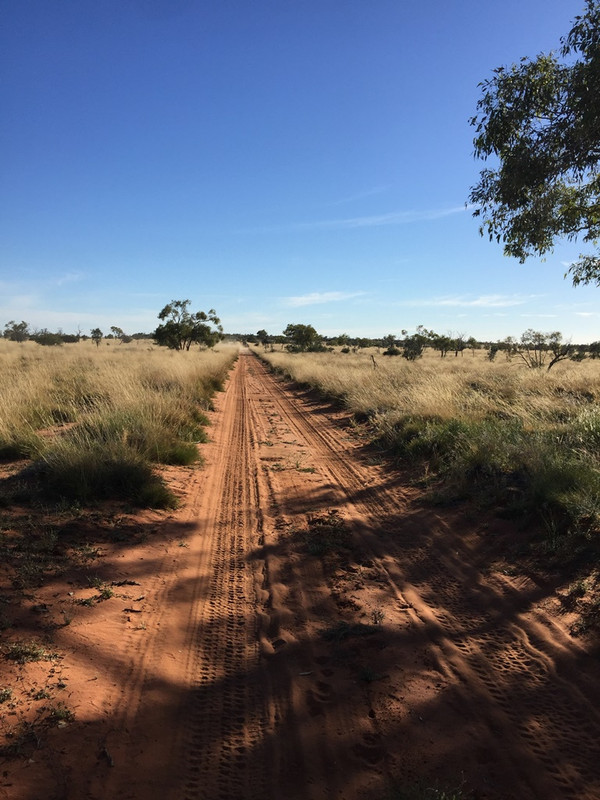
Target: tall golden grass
{"x": 468, "y": 387}
{"x": 525, "y": 440}
{"x": 76, "y": 406}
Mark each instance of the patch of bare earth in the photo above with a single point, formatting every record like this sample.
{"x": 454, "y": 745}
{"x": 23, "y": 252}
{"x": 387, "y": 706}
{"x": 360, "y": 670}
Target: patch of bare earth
{"x": 301, "y": 628}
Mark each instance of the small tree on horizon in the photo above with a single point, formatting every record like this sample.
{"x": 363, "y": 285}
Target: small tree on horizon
{"x": 535, "y": 348}
{"x": 16, "y": 331}
{"x": 302, "y": 339}
{"x": 181, "y": 328}
{"x": 263, "y": 337}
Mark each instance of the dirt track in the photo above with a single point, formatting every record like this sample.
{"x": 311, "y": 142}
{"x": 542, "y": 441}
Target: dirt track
{"x": 273, "y": 668}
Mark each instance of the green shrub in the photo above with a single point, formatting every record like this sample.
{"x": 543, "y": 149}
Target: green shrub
{"x": 150, "y": 436}
{"x": 545, "y": 474}
{"x": 103, "y": 472}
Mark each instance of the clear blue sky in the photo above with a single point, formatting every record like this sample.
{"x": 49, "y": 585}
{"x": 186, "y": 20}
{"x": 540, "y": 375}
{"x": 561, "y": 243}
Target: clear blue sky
{"x": 279, "y": 160}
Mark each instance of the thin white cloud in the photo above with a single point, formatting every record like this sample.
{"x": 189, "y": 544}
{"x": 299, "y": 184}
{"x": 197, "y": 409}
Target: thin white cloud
{"x": 318, "y": 298}
{"x": 466, "y": 301}
{"x": 359, "y": 195}
{"x": 376, "y": 221}
{"x": 586, "y": 314}
{"x": 69, "y": 277}
{"x": 540, "y": 316}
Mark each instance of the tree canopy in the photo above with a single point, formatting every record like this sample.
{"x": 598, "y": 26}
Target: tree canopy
{"x": 181, "y": 328}
{"x": 541, "y": 120}
{"x": 537, "y": 349}
{"x": 302, "y": 338}
{"x": 16, "y": 331}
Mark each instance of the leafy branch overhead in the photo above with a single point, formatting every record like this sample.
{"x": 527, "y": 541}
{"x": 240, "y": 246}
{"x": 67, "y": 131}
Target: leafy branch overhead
{"x": 182, "y": 328}
{"x": 541, "y": 120}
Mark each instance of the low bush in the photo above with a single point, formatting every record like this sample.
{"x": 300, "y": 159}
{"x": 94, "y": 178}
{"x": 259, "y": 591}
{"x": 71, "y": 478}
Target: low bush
{"x": 100, "y": 471}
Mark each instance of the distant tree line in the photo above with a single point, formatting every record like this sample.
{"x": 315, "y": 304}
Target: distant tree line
{"x": 535, "y": 349}
{"x": 23, "y": 332}
{"x": 181, "y": 328}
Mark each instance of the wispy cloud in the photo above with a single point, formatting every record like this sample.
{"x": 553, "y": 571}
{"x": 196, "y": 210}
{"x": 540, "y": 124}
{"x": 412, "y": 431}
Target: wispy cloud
{"x": 375, "y": 221}
{"x": 69, "y": 277}
{"x": 466, "y": 301}
{"x": 586, "y": 314}
{"x": 317, "y": 298}
{"x": 360, "y": 195}
{"x": 539, "y": 316}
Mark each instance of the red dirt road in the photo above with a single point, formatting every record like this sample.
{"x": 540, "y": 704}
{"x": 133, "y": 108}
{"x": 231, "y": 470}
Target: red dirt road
{"x": 304, "y": 630}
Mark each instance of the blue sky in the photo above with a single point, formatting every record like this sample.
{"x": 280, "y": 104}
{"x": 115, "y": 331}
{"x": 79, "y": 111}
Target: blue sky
{"x": 282, "y": 161}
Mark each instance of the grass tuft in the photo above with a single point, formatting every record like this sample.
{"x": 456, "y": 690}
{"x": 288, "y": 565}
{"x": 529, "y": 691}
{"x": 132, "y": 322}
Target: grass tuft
{"x": 96, "y": 473}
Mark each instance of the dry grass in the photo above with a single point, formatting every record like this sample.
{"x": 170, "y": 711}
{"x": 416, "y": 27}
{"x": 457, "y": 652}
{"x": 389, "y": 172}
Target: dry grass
{"x": 525, "y": 442}
{"x": 42, "y": 386}
{"x": 78, "y": 406}
{"x": 467, "y": 387}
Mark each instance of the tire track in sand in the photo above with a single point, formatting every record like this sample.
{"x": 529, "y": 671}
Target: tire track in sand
{"x": 269, "y": 714}
{"x": 226, "y": 722}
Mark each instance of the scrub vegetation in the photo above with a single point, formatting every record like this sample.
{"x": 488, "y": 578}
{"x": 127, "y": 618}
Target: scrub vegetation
{"x": 95, "y": 420}
{"x": 523, "y": 442}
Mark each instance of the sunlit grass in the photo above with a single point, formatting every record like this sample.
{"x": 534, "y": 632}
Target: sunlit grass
{"x": 525, "y": 440}
{"x": 96, "y": 418}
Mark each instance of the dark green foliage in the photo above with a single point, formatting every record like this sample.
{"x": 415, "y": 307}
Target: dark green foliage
{"x": 61, "y": 713}
{"x": 441, "y": 343}
{"x": 263, "y": 337}
{"x": 16, "y": 331}
{"x": 181, "y": 328}
{"x": 303, "y": 339}
{"x": 412, "y": 347}
{"x": 541, "y": 120}
{"x": 46, "y": 338}
{"x": 594, "y": 350}
{"x": 179, "y": 453}
{"x": 389, "y": 342}
{"x": 23, "y": 652}
{"x": 537, "y": 349}
{"x": 162, "y": 441}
